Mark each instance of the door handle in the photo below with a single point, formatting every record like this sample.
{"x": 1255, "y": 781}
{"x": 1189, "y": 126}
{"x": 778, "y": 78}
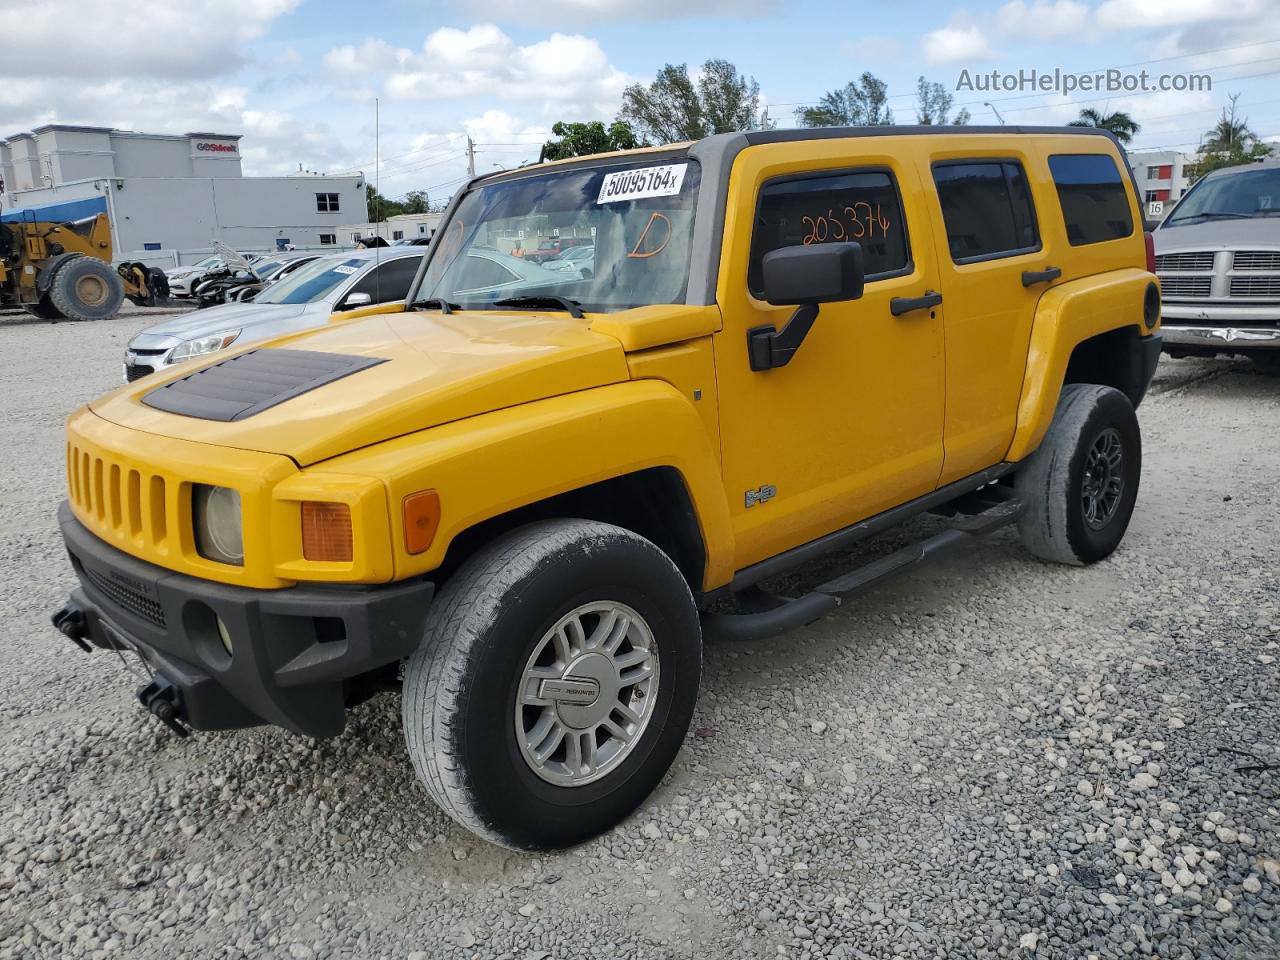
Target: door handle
{"x": 900, "y": 305}
{"x": 1031, "y": 277}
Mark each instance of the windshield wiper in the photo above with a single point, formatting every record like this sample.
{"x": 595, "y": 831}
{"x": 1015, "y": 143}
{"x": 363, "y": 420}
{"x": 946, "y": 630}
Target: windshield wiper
{"x": 444, "y": 306}
{"x": 1216, "y": 215}
{"x": 573, "y": 307}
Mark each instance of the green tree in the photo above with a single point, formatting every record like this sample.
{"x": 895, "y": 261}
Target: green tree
{"x": 415, "y": 201}
{"x": 1118, "y": 122}
{"x": 933, "y": 104}
{"x": 584, "y": 139}
{"x": 379, "y": 206}
{"x": 861, "y": 103}
{"x": 1228, "y": 144}
{"x": 674, "y": 108}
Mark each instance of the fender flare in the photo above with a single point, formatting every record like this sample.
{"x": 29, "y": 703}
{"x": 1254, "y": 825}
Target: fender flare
{"x": 1066, "y": 316}
{"x": 491, "y": 464}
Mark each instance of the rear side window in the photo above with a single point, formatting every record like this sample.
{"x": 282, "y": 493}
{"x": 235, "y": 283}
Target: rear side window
{"x": 987, "y": 209}
{"x": 862, "y": 206}
{"x": 1094, "y": 201}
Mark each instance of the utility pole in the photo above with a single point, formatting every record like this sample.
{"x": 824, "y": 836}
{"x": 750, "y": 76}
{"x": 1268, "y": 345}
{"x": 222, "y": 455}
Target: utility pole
{"x": 471, "y": 158}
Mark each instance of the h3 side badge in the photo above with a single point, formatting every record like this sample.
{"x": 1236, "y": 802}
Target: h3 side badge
{"x": 761, "y": 494}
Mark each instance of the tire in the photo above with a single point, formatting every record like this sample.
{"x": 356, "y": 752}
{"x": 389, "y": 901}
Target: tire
{"x": 1055, "y": 524}
{"x": 486, "y": 629}
{"x": 1267, "y": 362}
{"x": 85, "y": 288}
{"x": 44, "y": 309}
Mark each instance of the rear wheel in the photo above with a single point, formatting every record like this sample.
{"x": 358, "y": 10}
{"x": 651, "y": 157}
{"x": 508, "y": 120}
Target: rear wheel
{"x": 555, "y": 683}
{"x": 1078, "y": 489}
{"x": 85, "y": 288}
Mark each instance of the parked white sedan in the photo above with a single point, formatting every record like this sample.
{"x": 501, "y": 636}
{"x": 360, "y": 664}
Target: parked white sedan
{"x": 308, "y": 297}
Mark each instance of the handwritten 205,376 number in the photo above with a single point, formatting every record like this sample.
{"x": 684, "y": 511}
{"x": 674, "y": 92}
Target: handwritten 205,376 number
{"x": 859, "y": 221}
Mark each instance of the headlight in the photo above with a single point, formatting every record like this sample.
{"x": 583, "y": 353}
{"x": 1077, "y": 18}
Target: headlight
{"x": 215, "y": 515}
{"x": 194, "y": 348}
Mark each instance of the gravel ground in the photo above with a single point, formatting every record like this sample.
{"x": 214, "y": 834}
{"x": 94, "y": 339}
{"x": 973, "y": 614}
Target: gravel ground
{"x": 990, "y": 757}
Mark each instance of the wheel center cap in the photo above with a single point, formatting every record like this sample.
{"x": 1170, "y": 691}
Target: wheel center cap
{"x": 586, "y": 692}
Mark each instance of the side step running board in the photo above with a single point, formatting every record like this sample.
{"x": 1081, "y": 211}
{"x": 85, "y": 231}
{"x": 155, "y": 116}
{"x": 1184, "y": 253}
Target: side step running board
{"x": 791, "y": 613}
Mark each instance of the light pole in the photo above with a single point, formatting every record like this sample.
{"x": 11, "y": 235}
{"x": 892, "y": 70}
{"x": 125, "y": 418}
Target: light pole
{"x": 995, "y": 111}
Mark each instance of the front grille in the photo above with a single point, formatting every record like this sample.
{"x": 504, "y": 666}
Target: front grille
{"x": 1198, "y": 260}
{"x": 134, "y": 372}
{"x": 1172, "y": 288}
{"x": 1256, "y": 260}
{"x": 1268, "y": 287}
{"x": 119, "y": 502}
{"x": 134, "y": 601}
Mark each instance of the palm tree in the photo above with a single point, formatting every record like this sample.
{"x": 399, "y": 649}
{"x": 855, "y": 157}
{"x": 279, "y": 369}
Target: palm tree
{"x": 1230, "y": 133}
{"x": 1119, "y": 123}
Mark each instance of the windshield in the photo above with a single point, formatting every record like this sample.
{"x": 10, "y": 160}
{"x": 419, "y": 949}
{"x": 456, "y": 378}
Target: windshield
{"x": 311, "y": 282}
{"x": 609, "y": 236}
{"x": 1237, "y": 196}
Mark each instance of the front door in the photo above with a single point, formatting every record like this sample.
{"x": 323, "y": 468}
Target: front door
{"x": 853, "y": 424}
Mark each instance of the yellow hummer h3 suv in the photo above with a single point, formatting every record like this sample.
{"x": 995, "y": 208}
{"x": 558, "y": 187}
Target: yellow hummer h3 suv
{"x": 624, "y": 391}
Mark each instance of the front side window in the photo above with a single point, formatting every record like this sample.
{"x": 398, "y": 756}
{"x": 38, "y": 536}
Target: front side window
{"x": 987, "y": 209}
{"x": 861, "y": 206}
{"x": 508, "y": 238}
{"x": 390, "y": 281}
{"x": 1095, "y": 204}
{"x": 326, "y": 202}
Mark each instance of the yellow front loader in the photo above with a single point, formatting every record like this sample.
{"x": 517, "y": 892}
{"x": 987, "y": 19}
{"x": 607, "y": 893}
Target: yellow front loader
{"x": 62, "y": 271}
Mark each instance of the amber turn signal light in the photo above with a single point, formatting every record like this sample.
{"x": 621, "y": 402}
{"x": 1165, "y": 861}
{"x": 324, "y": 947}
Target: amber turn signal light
{"x": 421, "y": 520}
{"x": 326, "y": 531}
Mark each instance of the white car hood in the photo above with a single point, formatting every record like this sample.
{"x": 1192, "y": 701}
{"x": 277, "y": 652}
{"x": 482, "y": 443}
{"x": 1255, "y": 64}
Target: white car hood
{"x": 231, "y": 316}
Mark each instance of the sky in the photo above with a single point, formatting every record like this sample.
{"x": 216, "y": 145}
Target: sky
{"x": 299, "y": 78}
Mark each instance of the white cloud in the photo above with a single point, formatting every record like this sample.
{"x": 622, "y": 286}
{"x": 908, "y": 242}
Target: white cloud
{"x": 1040, "y": 18}
{"x": 160, "y": 38}
{"x": 1144, "y": 14}
{"x": 565, "y": 73}
{"x": 575, "y": 14}
{"x": 958, "y": 42}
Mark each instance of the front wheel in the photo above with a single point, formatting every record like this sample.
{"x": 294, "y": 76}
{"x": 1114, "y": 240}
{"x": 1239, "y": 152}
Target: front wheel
{"x": 555, "y": 683}
{"x": 1079, "y": 487}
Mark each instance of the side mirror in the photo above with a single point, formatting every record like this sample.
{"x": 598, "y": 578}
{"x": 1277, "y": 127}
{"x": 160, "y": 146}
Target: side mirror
{"x": 802, "y": 277}
{"x": 821, "y": 273}
{"x": 357, "y": 299}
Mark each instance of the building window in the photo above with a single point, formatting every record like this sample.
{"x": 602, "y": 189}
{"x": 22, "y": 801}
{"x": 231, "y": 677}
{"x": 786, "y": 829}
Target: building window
{"x": 328, "y": 239}
{"x": 355, "y": 238}
{"x": 397, "y": 234}
{"x": 1153, "y": 173}
{"x": 151, "y": 246}
{"x": 326, "y": 203}
{"x": 987, "y": 209}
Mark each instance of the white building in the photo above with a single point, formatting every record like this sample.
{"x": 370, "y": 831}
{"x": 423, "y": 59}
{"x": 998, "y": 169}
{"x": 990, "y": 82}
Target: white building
{"x": 401, "y": 226}
{"x": 171, "y": 192}
{"x": 1162, "y": 179}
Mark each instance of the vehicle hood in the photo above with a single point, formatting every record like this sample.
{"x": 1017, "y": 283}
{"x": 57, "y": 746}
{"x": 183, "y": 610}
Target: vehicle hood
{"x": 436, "y": 368}
{"x": 204, "y": 323}
{"x": 1219, "y": 235}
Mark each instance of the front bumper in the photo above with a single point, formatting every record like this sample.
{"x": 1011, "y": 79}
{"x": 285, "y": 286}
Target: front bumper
{"x": 1229, "y": 339}
{"x": 1225, "y": 327}
{"x": 297, "y": 653}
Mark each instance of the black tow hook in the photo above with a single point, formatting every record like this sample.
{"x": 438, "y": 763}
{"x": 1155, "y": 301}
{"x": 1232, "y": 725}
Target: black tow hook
{"x": 160, "y": 699}
{"x": 70, "y": 622}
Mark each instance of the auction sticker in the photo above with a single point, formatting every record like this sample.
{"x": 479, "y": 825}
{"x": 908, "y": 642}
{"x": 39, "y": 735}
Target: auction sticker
{"x": 664, "y": 181}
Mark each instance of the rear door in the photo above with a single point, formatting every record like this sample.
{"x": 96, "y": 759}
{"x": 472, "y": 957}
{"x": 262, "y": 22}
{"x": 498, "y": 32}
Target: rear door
{"x": 994, "y": 262}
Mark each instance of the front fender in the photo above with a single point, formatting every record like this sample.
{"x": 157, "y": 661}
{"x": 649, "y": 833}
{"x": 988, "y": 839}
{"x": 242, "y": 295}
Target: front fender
{"x": 487, "y": 465}
{"x": 1066, "y": 316}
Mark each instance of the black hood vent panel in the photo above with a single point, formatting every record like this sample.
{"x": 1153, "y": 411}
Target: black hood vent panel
{"x": 251, "y": 382}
